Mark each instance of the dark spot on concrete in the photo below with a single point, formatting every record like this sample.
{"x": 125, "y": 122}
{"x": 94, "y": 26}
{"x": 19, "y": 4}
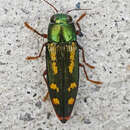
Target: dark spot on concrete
{"x": 34, "y": 95}
{"x": 128, "y": 51}
{"x": 85, "y": 99}
{"x": 112, "y": 35}
{"x": 38, "y": 104}
{"x": 78, "y": 5}
{"x": 26, "y": 117}
{"x": 18, "y": 46}
{"x": 9, "y": 43}
{"x": 43, "y": 122}
{"x": 124, "y": 44}
{"x": 109, "y": 53}
{"x": 116, "y": 22}
{"x": 28, "y": 92}
{"x": 123, "y": 19}
{"x": 85, "y": 2}
{"x": 94, "y": 62}
{"x": 8, "y": 52}
{"x": 122, "y": 63}
{"x": 1, "y": 63}
{"x": 25, "y": 11}
{"x": 17, "y": 40}
{"x": 5, "y": 11}
{"x": 87, "y": 121}
{"x": 119, "y": 49}
{"x": 48, "y": 115}
{"x": 110, "y": 72}
{"x": 100, "y": 32}
{"x": 75, "y": 16}
{"x": 39, "y": 129}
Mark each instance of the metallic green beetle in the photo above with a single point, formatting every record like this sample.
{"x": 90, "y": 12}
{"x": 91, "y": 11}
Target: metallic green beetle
{"x": 62, "y": 62}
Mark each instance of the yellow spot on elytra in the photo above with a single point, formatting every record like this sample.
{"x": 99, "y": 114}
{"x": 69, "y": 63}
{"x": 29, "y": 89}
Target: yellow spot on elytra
{"x": 73, "y": 43}
{"x": 53, "y": 56}
{"x": 71, "y": 101}
{"x": 72, "y": 86}
{"x": 54, "y": 68}
{"x": 54, "y": 87}
{"x": 72, "y": 55}
{"x": 52, "y": 50}
{"x": 71, "y": 66}
{"x": 56, "y": 101}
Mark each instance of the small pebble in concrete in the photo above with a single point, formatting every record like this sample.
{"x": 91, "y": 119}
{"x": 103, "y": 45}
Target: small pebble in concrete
{"x": 26, "y": 117}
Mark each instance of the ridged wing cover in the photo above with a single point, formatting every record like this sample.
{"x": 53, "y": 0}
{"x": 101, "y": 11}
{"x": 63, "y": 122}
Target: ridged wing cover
{"x": 62, "y": 62}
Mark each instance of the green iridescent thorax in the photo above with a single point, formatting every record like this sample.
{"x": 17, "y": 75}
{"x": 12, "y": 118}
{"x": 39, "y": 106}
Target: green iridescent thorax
{"x": 61, "y": 29}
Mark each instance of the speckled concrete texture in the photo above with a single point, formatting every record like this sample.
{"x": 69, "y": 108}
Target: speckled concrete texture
{"x": 106, "y": 41}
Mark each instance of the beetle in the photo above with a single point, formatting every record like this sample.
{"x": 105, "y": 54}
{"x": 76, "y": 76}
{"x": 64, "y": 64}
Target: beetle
{"x": 62, "y": 62}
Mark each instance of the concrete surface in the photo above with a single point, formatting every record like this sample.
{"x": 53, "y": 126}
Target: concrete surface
{"x": 106, "y": 40}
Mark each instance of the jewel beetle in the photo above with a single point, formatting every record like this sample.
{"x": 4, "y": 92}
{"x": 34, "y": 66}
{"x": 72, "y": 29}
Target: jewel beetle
{"x": 62, "y": 62}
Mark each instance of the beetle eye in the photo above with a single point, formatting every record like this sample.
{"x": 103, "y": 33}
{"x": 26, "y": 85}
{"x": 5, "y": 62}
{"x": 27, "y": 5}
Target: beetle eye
{"x": 53, "y": 19}
{"x": 69, "y": 19}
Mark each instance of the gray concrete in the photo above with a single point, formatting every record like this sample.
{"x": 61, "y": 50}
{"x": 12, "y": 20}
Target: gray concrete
{"x": 106, "y": 41}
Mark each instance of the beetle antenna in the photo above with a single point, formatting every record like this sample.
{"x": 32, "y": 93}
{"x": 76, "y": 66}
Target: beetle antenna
{"x": 76, "y": 10}
{"x": 51, "y": 6}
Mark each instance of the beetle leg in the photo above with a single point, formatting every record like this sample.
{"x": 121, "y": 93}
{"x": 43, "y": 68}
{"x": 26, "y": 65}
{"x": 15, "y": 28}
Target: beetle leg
{"x": 47, "y": 94}
{"x": 32, "y": 29}
{"x": 80, "y": 47}
{"x": 36, "y": 57}
{"x": 44, "y": 74}
{"x": 96, "y": 82}
{"x": 77, "y": 23}
{"x": 45, "y": 97}
{"x": 90, "y": 66}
